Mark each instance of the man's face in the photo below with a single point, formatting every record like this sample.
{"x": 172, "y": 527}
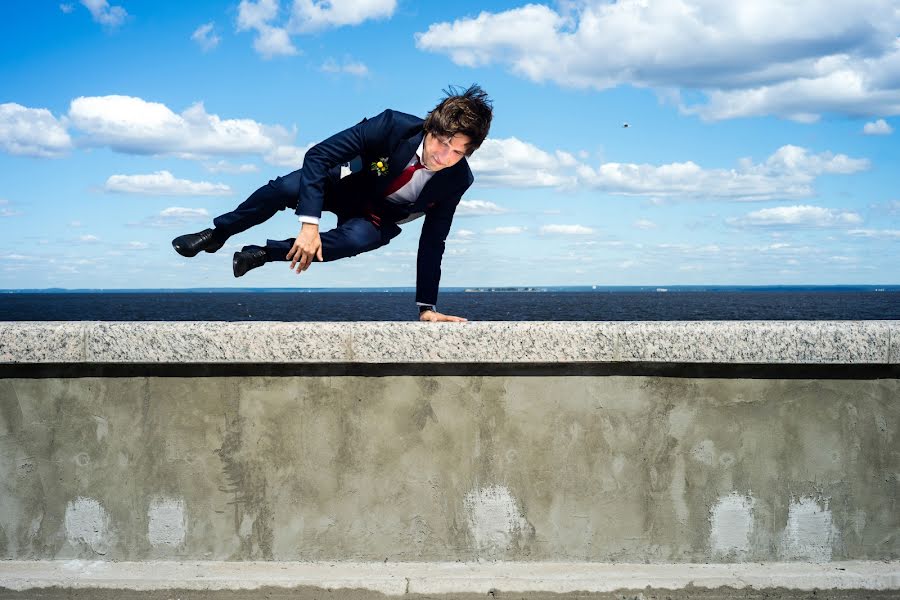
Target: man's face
{"x": 441, "y": 152}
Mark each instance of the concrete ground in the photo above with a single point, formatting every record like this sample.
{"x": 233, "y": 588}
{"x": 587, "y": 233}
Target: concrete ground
{"x": 313, "y": 593}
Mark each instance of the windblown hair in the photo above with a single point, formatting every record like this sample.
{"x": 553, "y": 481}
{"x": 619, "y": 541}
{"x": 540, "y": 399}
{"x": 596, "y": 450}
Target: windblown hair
{"x": 468, "y": 112}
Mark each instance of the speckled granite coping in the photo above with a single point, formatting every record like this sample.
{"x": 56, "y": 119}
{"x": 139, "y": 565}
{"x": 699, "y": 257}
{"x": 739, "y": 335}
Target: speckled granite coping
{"x": 740, "y": 342}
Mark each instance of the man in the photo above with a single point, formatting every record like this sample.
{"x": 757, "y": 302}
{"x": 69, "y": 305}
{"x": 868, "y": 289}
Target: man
{"x": 401, "y": 168}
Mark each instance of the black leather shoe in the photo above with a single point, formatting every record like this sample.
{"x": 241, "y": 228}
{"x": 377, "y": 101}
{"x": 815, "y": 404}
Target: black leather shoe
{"x": 190, "y": 244}
{"x": 248, "y": 258}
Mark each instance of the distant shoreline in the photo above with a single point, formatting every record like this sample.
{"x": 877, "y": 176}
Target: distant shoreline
{"x": 486, "y": 290}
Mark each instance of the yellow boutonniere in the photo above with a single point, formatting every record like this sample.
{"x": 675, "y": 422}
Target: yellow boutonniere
{"x": 380, "y": 166}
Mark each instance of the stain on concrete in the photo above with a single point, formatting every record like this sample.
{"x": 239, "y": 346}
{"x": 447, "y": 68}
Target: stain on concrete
{"x": 246, "y": 484}
{"x": 705, "y": 452}
{"x": 495, "y": 521}
{"x": 166, "y": 522}
{"x": 810, "y": 533}
{"x": 731, "y": 526}
{"x": 102, "y": 427}
{"x": 87, "y": 524}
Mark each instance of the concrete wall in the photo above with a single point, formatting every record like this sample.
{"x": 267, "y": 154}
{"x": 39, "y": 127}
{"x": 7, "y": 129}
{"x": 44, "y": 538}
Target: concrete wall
{"x": 704, "y": 462}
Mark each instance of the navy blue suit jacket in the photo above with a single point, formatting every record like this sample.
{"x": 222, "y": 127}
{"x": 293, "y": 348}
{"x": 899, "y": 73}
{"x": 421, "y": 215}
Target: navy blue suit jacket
{"x": 395, "y": 136}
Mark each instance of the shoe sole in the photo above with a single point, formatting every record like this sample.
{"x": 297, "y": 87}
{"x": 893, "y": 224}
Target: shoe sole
{"x": 234, "y": 266}
{"x": 184, "y": 252}
{"x": 190, "y": 254}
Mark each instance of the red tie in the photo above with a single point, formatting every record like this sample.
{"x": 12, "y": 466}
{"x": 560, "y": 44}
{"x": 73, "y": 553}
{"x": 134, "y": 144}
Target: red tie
{"x": 403, "y": 178}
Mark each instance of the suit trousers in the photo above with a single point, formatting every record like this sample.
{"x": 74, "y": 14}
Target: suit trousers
{"x": 355, "y": 232}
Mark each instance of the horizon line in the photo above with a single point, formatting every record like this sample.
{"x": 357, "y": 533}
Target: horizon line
{"x": 477, "y": 288}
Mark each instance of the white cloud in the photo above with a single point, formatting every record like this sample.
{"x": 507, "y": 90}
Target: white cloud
{"x": 253, "y": 14}
{"x": 797, "y": 216}
{"x": 274, "y": 35}
{"x": 287, "y": 156}
{"x": 644, "y": 224}
{"x": 512, "y": 162}
{"x": 315, "y": 15}
{"x": 270, "y": 41}
{"x": 879, "y": 127}
{"x": 103, "y": 13}
{"x": 472, "y": 208}
{"x": 66, "y": 7}
{"x": 179, "y": 212}
{"x": 273, "y": 41}
{"x": 224, "y": 166}
{"x": 88, "y": 239}
{"x": 688, "y": 249}
{"x": 174, "y": 216}
{"x": 7, "y": 212}
{"x": 22, "y": 257}
{"x": 788, "y": 173}
{"x": 205, "y": 37}
{"x": 796, "y": 60}
{"x": 137, "y": 246}
{"x": 465, "y": 234}
{"x": 163, "y": 183}
{"x": 349, "y": 67}
{"x": 876, "y": 233}
{"x": 566, "y": 230}
{"x": 133, "y": 125}
{"x": 31, "y": 132}
{"x": 513, "y": 230}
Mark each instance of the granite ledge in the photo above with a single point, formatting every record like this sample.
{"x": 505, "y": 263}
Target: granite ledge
{"x": 732, "y": 342}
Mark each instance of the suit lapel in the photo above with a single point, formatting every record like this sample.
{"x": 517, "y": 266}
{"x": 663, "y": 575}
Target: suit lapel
{"x": 400, "y": 156}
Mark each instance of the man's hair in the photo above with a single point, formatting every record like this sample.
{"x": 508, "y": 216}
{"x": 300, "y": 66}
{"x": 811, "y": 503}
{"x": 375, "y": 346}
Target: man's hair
{"x": 468, "y": 112}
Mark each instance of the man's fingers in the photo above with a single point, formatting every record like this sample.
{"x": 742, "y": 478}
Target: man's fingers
{"x": 303, "y": 261}
{"x": 301, "y": 258}
{"x": 450, "y": 318}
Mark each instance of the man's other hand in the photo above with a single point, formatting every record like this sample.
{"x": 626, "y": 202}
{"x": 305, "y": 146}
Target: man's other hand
{"x": 433, "y": 315}
{"x": 307, "y": 246}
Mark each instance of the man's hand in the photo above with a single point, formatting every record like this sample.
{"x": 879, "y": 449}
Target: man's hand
{"x": 307, "y": 245}
{"x": 433, "y": 315}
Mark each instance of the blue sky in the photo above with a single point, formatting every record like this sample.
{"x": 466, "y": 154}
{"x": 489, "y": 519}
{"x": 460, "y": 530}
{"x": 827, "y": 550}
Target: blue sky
{"x": 760, "y": 146}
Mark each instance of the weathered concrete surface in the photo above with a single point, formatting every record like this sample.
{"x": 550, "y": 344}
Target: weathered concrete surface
{"x": 312, "y": 593}
{"x": 771, "y": 342}
{"x": 433, "y": 579}
{"x": 446, "y": 468}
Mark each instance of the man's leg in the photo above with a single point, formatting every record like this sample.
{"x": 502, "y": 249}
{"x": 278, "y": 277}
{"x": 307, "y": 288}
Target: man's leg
{"x": 276, "y": 195}
{"x": 351, "y": 237}
{"x": 260, "y": 206}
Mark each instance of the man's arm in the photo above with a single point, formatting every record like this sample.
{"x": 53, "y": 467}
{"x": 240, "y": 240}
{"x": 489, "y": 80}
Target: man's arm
{"x": 365, "y": 137}
{"x": 360, "y": 139}
{"x": 432, "y": 242}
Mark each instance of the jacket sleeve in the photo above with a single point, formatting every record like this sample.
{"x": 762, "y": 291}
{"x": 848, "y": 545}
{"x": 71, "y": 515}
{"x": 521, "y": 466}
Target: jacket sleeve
{"x": 364, "y": 138}
{"x": 432, "y": 241}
